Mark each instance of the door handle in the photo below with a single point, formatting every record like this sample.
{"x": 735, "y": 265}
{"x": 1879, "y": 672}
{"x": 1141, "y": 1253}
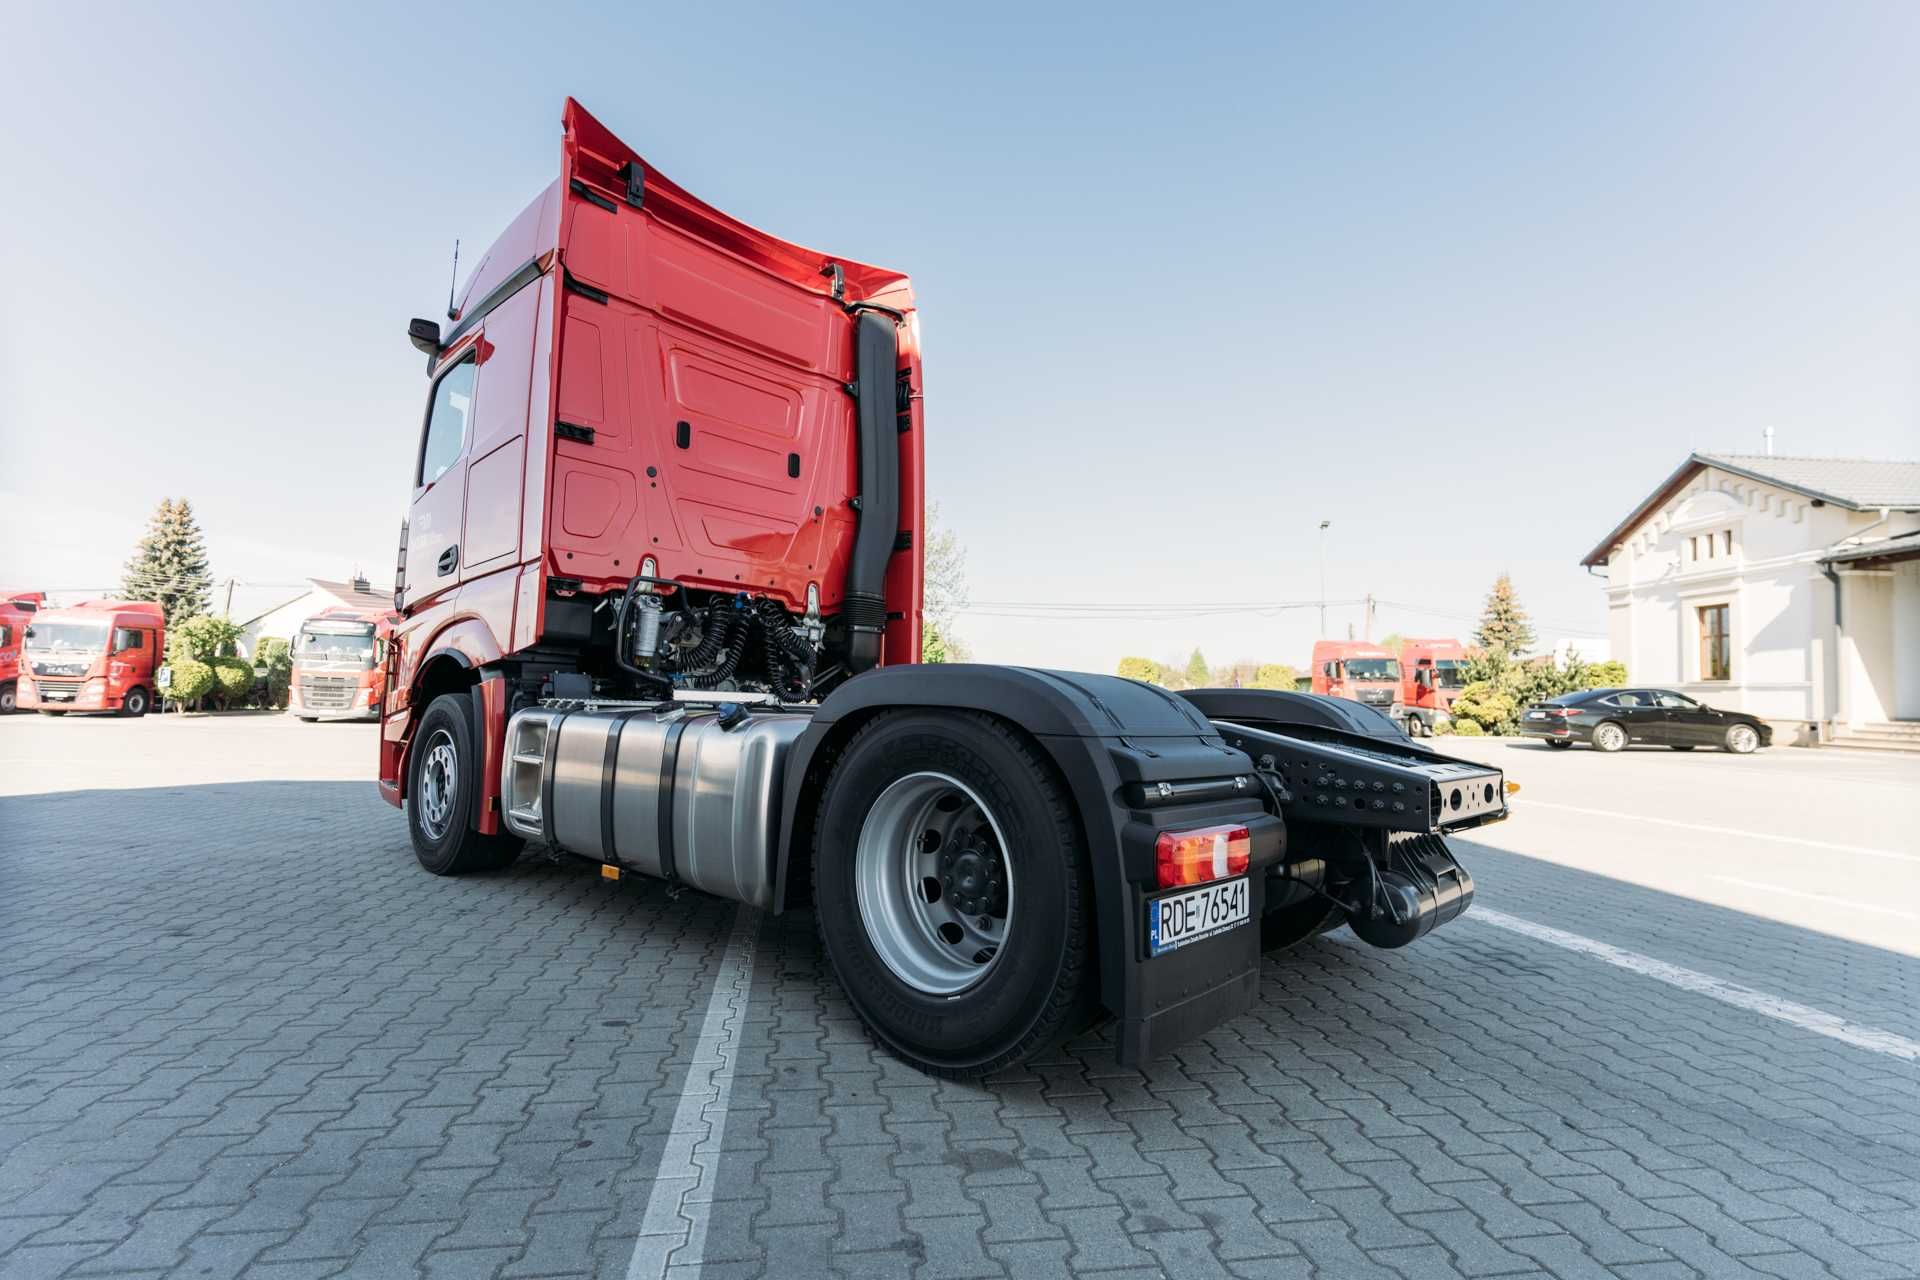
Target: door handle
{"x": 449, "y": 559}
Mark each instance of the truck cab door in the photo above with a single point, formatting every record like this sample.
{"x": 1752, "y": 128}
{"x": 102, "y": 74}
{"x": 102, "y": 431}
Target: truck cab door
{"x": 435, "y": 515}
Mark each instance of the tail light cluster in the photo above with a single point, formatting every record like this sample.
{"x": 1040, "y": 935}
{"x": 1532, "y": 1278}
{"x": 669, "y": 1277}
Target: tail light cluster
{"x": 1201, "y": 854}
{"x": 1563, "y": 713}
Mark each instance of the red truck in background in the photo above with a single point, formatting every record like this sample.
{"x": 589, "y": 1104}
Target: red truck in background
{"x": 99, "y": 655}
{"x": 16, "y": 611}
{"x": 661, "y": 588}
{"x": 1430, "y": 679}
{"x": 339, "y": 665}
{"x": 1357, "y": 671}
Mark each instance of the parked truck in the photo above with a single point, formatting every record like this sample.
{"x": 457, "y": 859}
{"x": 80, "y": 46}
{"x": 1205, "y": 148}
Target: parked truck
{"x": 1356, "y": 670}
{"x": 99, "y": 655}
{"x": 1430, "y": 679}
{"x": 661, "y": 589}
{"x": 339, "y": 669}
{"x": 16, "y": 611}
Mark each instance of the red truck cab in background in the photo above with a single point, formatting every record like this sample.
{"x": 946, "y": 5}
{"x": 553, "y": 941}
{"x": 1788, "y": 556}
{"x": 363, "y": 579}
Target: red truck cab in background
{"x": 99, "y": 655}
{"x": 16, "y": 611}
{"x": 339, "y": 665}
{"x": 1357, "y": 671}
{"x": 1430, "y": 679}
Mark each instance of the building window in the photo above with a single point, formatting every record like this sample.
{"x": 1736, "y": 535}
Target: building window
{"x": 1716, "y": 643}
{"x": 1693, "y": 547}
{"x": 1726, "y": 538}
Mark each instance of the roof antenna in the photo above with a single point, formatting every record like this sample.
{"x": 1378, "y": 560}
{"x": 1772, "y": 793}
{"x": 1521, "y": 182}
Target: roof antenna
{"x": 1767, "y": 435}
{"x": 455, "y": 280}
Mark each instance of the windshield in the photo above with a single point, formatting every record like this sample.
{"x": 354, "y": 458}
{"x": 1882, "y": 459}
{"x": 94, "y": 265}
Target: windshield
{"x": 1447, "y": 674}
{"x": 312, "y": 646}
{"x": 1373, "y": 669}
{"x": 89, "y": 637}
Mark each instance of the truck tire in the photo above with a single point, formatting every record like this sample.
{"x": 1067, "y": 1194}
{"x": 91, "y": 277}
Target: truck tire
{"x": 136, "y": 702}
{"x": 443, "y": 768}
{"x": 953, "y": 892}
{"x": 9, "y": 699}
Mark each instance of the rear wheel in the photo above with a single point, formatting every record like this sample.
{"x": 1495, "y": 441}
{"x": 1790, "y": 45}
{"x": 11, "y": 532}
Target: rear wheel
{"x": 9, "y": 700}
{"x": 953, "y": 892}
{"x": 135, "y": 703}
{"x": 443, "y": 769}
{"x": 1742, "y": 739}
{"x": 1559, "y": 744}
{"x": 1609, "y": 736}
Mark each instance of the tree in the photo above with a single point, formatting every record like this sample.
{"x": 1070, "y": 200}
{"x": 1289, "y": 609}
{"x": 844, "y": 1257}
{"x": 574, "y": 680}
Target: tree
{"x": 1392, "y": 643}
{"x": 201, "y": 639}
{"x": 1143, "y": 669}
{"x": 170, "y": 565}
{"x": 1197, "y": 672}
{"x": 944, "y": 575}
{"x": 1503, "y": 623}
{"x": 1275, "y": 675}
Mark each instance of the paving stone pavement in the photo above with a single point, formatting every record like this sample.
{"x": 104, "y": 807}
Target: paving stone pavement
{"x": 241, "y": 1033}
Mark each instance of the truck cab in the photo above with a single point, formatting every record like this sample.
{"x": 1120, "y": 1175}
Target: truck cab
{"x": 16, "y": 611}
{"x": 1357, "y": 671}
{"x": 100, "y": 655}
{"x": 339, "y": 665}
{"x": 1430, "y": 678}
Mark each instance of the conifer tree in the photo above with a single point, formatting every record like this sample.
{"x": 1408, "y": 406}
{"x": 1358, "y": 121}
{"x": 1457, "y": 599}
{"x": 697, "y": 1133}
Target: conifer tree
{"x": 170, "y": 565}
{"x": 1503, "y": 623}
{"x": 1198, "y": 673}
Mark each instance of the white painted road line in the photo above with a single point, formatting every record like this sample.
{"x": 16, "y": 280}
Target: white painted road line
{"x": 1730, "y": 831}
{"x": 1803, "y": 1016}
{"x": 673, "y": 1232}
{"x": 1828, "y": 898}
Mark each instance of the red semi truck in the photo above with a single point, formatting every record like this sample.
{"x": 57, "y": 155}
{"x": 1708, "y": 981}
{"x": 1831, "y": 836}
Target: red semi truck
{"x": 1430, "y": 679}
{"x": 339, "y": 669}
{"x": 661, "y": 593}
{"x": 99, "y": 655}
{"x": 16, "y": 611}
{"x": 1356, "y": 670}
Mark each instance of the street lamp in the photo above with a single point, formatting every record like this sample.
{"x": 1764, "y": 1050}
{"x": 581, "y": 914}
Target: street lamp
{"x": 1323, "y": 577}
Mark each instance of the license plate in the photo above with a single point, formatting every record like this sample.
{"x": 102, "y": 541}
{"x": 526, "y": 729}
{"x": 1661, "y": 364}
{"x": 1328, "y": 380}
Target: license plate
{"x": 1536, "y": 715}
{"x": 1180, "y": 918}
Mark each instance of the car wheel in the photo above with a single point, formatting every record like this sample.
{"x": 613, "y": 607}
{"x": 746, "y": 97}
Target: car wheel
{"x": 953, "y": 892}
{"x": 1609, "y": 737}
{"x": 135, "y": 703}
{"x": 1742, "y": 739}
{"x": 1559, "y": 744}
{"x": 443, "y": 769}
{"x": 1680, "y": 746}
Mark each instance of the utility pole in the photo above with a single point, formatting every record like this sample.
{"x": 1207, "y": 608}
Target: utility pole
{"x": 227, "y": 610}
{"x": 1323, "y": 576}
{"x": 1369, "y": 632}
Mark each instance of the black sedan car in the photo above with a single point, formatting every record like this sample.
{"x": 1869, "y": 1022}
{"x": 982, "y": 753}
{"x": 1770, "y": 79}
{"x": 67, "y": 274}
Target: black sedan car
{"x": 1611, "y": 719}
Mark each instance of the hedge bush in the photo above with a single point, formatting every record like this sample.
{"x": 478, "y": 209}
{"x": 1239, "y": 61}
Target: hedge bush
{"x": 191, "y": 679}
{"x": 235, "y": 676}
{"x": 273, "y": 654}
{"x": 1485, "y": 707}
{"x": 1468, "y": 729}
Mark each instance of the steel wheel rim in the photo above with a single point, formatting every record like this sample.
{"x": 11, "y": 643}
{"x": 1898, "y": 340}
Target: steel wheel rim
{"x": 928, "y": 849}
{"x": 136, "y": 701}
{"x": 439, "y": 782}
{"x": 1611, "y": 736}
{"x": 1743, "y": 738}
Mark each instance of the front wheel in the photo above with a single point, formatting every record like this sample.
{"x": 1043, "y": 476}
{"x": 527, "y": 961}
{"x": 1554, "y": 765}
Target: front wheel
{"x": 1609, "y": 737}
{"x": 443, "y": 770}
{"x": 1742, "y": 739}
{"x": 953, "y": 892}
{"x": 9, "y": 699}
{"x": 135, "y": 703}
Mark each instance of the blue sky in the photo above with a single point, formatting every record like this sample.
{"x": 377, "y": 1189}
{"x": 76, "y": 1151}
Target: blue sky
{"x": 1465, "y": 280}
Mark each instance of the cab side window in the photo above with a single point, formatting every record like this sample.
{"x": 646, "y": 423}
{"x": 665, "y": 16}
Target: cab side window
{"x": 447, "y": 422}
{"x": 6, "y": 634}
{"x": 125, "y": 638}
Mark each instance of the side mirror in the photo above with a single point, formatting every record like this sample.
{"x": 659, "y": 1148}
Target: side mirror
{"x": 425, "y": 334}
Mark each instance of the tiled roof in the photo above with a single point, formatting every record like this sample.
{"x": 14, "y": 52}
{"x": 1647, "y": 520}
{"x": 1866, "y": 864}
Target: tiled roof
{"x": 1858, "y": 484}
{"x": 376, "y": 598}
{"x": 1861, "y": 483}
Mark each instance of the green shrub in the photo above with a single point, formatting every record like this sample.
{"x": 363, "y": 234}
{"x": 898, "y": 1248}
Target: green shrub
{"x": 191, "y": 680}
{"x": 273, "y": 654}
{"x": 235, "y": 678}
{"x": 202, "y": 639}
{"x": 1484, "y": 705}
{"x": 1442, "y": 728}
{"x": 1603, "y": 675}
{"x": 1468, "y": 729}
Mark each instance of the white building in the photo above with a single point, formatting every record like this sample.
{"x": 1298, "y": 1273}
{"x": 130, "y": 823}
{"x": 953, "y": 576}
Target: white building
{"x": 1786, "y": 587}
{"x": 284, "y": 619}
